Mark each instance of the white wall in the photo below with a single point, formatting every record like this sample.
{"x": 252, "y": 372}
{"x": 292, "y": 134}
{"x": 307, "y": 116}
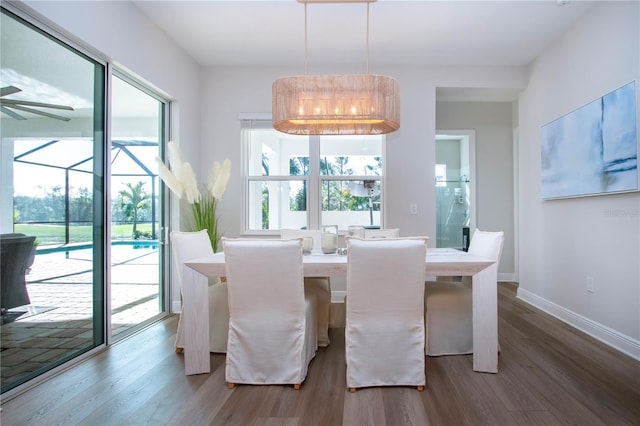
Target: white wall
{"x": 562, "y": 242}
{"x": 410, "y": 152}
{"x": 494, "y": 166}
{"x": 117, "y": 31}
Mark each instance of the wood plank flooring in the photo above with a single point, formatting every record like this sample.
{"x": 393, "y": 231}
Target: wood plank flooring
{"x": 550, "y": 374}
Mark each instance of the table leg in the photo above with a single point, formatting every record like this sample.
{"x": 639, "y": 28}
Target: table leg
{"x": 195, "y": 314}
{"x": 485, "y": 320}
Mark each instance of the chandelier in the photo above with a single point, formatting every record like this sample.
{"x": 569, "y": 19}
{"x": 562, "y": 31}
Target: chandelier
{"x": 348, "y": 104}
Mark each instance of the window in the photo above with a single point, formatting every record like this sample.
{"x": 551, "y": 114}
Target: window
{"x": 294, "y": 181}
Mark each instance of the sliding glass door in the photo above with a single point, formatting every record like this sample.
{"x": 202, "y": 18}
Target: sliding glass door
{"x": 137, "y": 133}
{"x": 52, "y": 197}
{"x": 81, "y": 211}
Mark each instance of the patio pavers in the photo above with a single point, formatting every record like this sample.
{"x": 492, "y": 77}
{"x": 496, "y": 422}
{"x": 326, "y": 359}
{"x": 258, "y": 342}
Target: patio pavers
{"x": 60, "y": 322}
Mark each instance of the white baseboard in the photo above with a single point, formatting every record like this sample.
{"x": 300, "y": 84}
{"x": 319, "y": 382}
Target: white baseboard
{"x": 616, "y": 340}
{"x": 508, "y": 277}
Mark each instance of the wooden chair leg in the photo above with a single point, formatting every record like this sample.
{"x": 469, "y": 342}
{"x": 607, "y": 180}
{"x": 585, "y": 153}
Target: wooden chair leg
{"x": 179, "y": 350}
{"x": 352, "y": 390}
{"x": 296, "y": 386}
{"x": 231, "y": 385}
{"x": 420, "y": 388}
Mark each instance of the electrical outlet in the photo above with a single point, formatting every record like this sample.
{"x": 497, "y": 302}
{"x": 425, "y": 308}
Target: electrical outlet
{"x": 413, "y": 208}
{"x": 590, "y": 285}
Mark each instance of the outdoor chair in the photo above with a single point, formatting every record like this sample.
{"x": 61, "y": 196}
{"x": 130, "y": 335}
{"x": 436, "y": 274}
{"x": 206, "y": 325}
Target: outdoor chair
{"x": 16, "y": 257}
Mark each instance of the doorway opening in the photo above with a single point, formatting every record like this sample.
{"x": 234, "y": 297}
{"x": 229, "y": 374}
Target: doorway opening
{"x": 455, "y": 188}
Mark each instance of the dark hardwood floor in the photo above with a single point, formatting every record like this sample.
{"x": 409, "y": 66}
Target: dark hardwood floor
{"x": 549, "y": 374}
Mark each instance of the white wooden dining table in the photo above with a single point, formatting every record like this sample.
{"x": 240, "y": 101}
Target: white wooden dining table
{"x": 438, "y": 262}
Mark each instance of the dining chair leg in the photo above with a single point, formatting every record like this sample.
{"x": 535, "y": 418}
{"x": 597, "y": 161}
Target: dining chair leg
{"x": 231, "y": 385}
{"x": 296, "y": 386}
{"x": 420, "y": 388}
{"x": 179, "y": 350}
{"x": 352, "y": 390}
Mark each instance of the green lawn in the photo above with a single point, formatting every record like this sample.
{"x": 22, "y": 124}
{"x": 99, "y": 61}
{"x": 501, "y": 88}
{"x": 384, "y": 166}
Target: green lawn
{"x": 54, "y": 234}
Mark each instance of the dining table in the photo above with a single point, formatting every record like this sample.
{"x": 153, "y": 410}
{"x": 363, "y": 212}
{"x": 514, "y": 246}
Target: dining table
{"x": 438, "y": 262}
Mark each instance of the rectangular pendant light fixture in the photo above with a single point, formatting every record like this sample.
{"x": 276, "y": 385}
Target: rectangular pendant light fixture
{"x": 349, "y": 104}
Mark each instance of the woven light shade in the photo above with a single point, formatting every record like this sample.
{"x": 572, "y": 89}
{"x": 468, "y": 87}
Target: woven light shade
{"x": 357, "y": 104}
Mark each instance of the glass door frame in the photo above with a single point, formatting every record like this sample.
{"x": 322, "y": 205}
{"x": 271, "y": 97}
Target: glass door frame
{"x": 470, "y": 137}
{"x": 164, "y": 291}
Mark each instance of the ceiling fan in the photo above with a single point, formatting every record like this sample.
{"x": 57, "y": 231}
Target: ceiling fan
{"x": 8, "y": 106}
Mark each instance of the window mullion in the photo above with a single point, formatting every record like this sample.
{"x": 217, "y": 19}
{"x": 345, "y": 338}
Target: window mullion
{"x": 314, "y": 196}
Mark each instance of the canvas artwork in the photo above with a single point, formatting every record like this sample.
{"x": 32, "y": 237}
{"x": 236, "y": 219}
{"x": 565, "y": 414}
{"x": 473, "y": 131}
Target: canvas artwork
{"x": 593, "y": 150}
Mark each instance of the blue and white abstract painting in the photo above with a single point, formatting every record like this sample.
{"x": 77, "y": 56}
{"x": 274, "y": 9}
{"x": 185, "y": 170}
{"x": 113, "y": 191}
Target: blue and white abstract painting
{"x": 593, "y": 150}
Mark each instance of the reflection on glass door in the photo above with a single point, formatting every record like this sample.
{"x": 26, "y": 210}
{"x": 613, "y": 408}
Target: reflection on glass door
{"x": 52, "y": 202}
{"x": 453, "y": 191}
{"x": 136, "y": 222}
{"x": 452, "y": 215}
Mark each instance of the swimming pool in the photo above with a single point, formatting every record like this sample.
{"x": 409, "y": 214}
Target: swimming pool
{"x": 138, "y": 260}
{"x": 134, "y": 244}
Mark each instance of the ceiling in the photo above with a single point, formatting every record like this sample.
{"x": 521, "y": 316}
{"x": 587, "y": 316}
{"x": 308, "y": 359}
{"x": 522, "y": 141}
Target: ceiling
{"x": 475, "y": 33}
{"x": 272, "y": 32}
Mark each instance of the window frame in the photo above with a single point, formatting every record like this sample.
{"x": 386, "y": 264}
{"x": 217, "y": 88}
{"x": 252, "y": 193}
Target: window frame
{"x": 314, "y": 179}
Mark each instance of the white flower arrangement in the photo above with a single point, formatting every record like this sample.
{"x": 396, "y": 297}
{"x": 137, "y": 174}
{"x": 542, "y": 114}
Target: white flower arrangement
{"x": 181, "y": 180}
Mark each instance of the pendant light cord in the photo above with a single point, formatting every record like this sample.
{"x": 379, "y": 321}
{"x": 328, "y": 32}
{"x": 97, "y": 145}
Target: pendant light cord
{"x": 306, "y": 59}
{"x": 367, "y": 38}
{"x": 306, "y": 48}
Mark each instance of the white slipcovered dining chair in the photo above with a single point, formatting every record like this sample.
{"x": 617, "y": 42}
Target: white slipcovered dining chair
{"x": 192, "y": 245}
{"x": 319, "y": 286}
{"x": 272, "y": 326}
{"x": 449, "y": 304}
{"x": 370, "y": 234}
{"x": 384, "y": 331}
{"x": 374, "y": 234}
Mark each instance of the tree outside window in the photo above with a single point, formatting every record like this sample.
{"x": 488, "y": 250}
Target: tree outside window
{"x": 304, "y": 182}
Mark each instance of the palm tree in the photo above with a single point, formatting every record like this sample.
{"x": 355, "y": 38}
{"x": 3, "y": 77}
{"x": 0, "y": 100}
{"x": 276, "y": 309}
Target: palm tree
{"x": 132, "y": 200}
{"x": 299, "y": 166}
